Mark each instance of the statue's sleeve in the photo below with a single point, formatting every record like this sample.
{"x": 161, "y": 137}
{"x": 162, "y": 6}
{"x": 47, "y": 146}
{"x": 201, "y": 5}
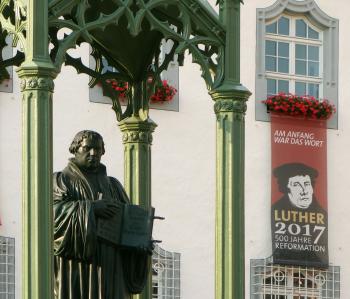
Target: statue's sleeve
{"x": 136, "y": 263}
{"x": 74, "y": 221}
{"x": 118, "y": 191}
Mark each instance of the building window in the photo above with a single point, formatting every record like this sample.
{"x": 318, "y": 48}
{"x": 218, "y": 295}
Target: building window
{"x": 293, "y": 49}
{"x": 271, "y": 281}
{"x": 165, "y": 274}
{"x": 171, "y": 75}
{"x": 7, "y": 268}
{"x": 297, "y": 52}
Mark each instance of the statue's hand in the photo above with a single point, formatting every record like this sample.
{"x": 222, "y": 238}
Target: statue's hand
{"x": 104, "y": 208}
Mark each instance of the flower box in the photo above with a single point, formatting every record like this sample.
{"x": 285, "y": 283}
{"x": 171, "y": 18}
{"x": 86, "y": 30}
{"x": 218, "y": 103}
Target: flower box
{"x": 301, "y": 106}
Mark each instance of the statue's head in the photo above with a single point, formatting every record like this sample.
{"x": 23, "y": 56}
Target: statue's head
{"x": 88, "y": 148}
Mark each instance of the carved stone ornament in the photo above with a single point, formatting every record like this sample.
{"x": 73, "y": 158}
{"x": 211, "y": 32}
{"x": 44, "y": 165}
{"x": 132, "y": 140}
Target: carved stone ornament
{"x": 140, "y": 137}
{"x": 238, "y": 106}
{"x": 31, "y": 83}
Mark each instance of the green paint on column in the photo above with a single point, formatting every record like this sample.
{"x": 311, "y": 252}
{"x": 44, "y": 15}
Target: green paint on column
{"x": 37, "y": 88}
{"x": 137, "y": 139}
{"x": 230, "y": 106}
{"x": 37, "y": 74}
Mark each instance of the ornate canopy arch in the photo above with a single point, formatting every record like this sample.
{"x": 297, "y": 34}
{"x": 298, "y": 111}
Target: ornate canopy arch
{"x": 128, "y": 34}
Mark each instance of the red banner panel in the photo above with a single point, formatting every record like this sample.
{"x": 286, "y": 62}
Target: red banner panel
{"x": 299, "y": 191}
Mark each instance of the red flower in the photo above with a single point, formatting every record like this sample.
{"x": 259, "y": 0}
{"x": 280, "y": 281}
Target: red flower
{"x": 163, "y": 92}
{"x": 290, "y": 104}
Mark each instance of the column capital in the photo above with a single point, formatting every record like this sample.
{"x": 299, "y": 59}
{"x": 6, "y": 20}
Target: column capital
{"x": 230, "y": 97}
{"x": 36, "y": 83}
{"x": 136, "y": 130}
{"x": 36, "y": 76}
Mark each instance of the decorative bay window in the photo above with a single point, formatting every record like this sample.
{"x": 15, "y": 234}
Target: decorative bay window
{"x": 297, "y": 52}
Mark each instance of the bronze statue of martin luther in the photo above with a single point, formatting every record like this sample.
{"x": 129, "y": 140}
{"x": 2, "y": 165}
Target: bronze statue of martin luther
{"x": 85, "y": 266}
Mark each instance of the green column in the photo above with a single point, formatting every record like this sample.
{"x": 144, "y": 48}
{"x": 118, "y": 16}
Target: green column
{"x": 37, "y": 73}
{"x": 137, "y": 140}
{"x": 230, "y": 106}
{"x": 230, "y": 16}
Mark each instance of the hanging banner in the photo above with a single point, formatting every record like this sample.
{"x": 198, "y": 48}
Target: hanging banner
{"x": 299, "y": 191}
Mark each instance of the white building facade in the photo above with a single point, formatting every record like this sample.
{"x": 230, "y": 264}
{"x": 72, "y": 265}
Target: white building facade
{"x": 286, "y": 45}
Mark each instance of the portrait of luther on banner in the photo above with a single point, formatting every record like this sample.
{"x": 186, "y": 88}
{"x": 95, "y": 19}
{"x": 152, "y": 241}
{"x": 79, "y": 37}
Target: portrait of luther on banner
{"x": 299, "y": 222}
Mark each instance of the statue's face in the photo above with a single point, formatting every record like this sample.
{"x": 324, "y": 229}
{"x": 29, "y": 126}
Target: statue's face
{"x": 300, "y": 191}
{"x": 89, "y": 153}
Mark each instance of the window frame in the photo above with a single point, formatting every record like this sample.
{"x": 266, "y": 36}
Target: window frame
{"x": 325, "y": 282}
{"x": 292, "y": 40}
{"x": 316, "y": 19}
{"x": 7, "y": 269}
{"x": 166, "y": 274}
{"x": 171, "y": 74}
{"x": 275, "y": 289}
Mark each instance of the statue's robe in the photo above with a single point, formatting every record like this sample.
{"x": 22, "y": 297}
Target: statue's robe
{"x": 85, "y": 266}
